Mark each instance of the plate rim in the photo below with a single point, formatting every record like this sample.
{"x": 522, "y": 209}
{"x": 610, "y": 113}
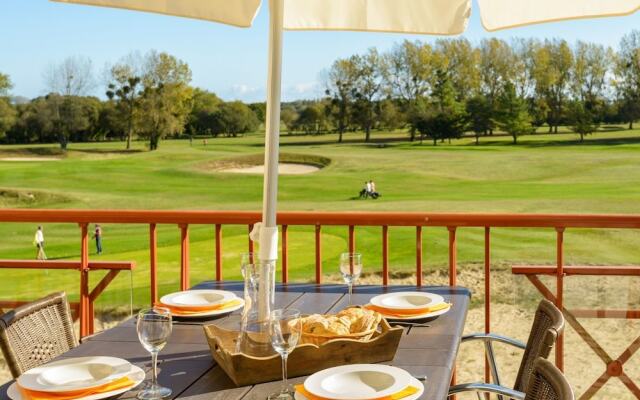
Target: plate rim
{"x": 212, "y": 312}
{"x": 166, "y": 299}
{"x": 14, "y": 393}
{"x": 420, "y": 316}
{"x": 376, "y": 300}
{"x": 413, "y": 382}
{"x": 321, "y": 375}
{"x": 28, "y": 375}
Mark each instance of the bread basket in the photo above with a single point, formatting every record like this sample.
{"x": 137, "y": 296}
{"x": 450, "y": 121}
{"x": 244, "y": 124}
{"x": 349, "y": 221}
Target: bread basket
{"x": 318, "y": 339}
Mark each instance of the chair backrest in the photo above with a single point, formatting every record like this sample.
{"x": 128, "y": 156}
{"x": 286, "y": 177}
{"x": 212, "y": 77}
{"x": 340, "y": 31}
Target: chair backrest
{"x": 547, "y": 325}
{"x": 548, "y": 383}
{"x": 35, "y": 333}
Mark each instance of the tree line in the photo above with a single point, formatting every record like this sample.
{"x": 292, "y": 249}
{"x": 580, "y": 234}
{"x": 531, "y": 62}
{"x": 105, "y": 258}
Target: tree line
{"x": 437, "y": 91}
{"x": 147, "y": 97}
{"x": 446, "y": 89}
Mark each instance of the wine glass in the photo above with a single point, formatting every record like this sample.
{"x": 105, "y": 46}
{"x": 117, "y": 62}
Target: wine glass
{"x": 284, "y": 329}
{"x": 154, "y": 328}
{"x": 351, "y": 268}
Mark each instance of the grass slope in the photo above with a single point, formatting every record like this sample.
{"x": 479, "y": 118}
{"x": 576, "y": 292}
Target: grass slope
{"x": 545, "y": 173}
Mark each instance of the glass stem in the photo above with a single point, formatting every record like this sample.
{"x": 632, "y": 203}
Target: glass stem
{"x": 285, "y": 384}
{"x": 154, "y": 362}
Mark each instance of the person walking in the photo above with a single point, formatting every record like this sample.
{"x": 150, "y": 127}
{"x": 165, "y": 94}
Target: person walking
{"x": 97, "y": 235}
{"x": 38, "y": 241}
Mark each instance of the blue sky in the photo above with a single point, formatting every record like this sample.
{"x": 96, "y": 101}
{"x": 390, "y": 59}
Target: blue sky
{"x": 226, "y": 60}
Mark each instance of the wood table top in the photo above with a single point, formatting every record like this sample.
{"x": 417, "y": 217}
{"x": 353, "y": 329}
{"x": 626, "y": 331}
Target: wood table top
{"x": 185, "y": 365}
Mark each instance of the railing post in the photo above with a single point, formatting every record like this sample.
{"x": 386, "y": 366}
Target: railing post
{"x": 218, "y": 252}
{"x": 352, "y": 239}
{"x": 418, "y": 256}
{"x": 385, "y": 255}
{"x": 250, "y": 244}
{"x": 453, "y": 272}
{"x": 487, "y": 294}
{"x": 184, "y": 256}
{"x": 453, "y": 257}
{"x": 560, "y": 293}
{"x": 318, "y": 254}
{"x": 85, "y": 312}
{"x": 153, "y": 262}
{"x": 285, "y": 254}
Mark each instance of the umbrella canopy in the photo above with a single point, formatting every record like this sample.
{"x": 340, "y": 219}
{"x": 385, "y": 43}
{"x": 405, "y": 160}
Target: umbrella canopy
{"x": 440, "y": 17}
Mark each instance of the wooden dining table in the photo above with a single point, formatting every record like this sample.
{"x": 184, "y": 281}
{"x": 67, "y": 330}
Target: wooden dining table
{"x": 187, "y": 367}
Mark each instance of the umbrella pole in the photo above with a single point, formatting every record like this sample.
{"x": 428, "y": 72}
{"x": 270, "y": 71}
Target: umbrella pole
{"x": 269, "y": 228}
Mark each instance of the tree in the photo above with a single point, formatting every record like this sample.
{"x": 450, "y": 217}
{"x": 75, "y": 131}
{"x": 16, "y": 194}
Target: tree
{"x": 627, "y": 80}
{"x": 125, "y": 89}
{"x": 496, "y": 69}
{"x": 166, "y": 97}
{"x": 522, "y": 64}
{"x": 310, "y": 119}
{"x": 513, "y": 117}
{"x": 72, "y": 77}
{"x": 340, "y": 84}
{"x": 5, "y": 85}
{"x": 480, "y": 116}
{"x": 589, "y": 75}
{"x": 553, "y": 64}
{"x": 460, "y": 59}
{"x": 389, "y": 115}
{"x": 234, "y": 118}
{"x": 288, "y": 117}
{"x": 367, "y": 88}
{"x": 582, "y": 120}
{"x": 204, "y": 105}
{"x": 446, "y": 118}
{"x": 8, "y": 116}
{"x": 409, "y": 71}
{"x": 8, "y": 112}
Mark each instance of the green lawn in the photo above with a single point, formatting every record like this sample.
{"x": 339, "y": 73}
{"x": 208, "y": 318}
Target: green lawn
{"x": 545, "y": 173}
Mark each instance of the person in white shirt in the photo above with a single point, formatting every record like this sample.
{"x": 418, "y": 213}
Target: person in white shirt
{"x": 369, "y": 188}
{"x": 38, "y": 240}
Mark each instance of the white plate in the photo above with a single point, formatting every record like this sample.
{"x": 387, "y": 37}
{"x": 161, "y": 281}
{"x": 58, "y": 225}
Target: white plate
{"x": 74, "y": 374}
{"x": 212, "y": 313}
{"x": 413, "y": 382}
{"x": 136, "y": 374}
{"x": 357, "y": 382}
{"x": 417, "y": 317}
{"x": 407, "y": 300}
{"x": 197, "y": 298}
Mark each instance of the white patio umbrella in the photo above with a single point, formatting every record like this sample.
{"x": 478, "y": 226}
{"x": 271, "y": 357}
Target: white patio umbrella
{"x": 436, "y": 17}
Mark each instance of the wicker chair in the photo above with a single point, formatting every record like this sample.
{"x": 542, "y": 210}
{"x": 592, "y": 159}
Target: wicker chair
{"x": 35, "y": 333}
{"x": 548, "y": 383}
{"x": 547, "y": 325}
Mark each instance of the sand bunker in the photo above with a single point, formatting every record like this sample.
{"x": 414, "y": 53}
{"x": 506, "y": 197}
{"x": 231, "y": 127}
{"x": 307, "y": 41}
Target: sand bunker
{"x": 283, "y": 169}
{"x": 29, "y": 159}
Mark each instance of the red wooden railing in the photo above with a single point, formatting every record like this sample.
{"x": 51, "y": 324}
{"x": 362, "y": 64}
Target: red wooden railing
{"x": 451, "y": 221}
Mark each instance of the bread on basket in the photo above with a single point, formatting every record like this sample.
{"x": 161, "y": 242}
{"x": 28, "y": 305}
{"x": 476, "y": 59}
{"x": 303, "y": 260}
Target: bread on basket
{"x": 351, "y": 323}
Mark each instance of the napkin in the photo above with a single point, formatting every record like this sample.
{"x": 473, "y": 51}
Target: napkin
{"x": 406, "y": 392}
{"x": 189, "y": 310}
{"x": 407, "y": 313}
{"x": 122, "y": 383}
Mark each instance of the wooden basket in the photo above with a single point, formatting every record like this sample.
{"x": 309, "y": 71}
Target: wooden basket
{"x": 305, "y": 359}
